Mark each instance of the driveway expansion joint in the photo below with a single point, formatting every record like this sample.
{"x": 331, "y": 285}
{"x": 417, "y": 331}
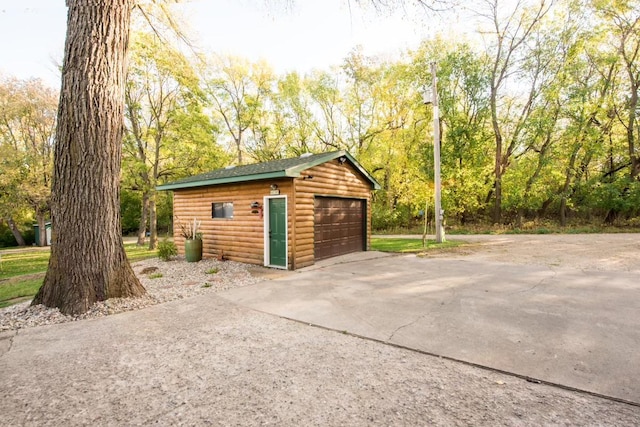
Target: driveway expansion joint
{"x": 527, "y": 378}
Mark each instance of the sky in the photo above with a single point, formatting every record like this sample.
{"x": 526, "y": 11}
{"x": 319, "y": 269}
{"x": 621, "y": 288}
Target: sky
{"x": 309, "y": 34}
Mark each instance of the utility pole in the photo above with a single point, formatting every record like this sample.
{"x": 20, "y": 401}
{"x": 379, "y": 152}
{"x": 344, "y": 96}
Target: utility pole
{"x": 439, "y": 213}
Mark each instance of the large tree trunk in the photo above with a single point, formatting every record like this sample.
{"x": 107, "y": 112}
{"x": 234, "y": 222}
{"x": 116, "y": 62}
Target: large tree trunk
{"x": 88, "y": 262}
{"x": 16, "y": 232}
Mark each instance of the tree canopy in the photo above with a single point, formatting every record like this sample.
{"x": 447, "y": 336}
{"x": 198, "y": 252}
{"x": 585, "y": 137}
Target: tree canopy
{"x": 539, "y": 120}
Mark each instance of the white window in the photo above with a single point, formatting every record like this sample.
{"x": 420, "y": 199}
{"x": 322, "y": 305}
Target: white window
{"x": 222, "y": 210}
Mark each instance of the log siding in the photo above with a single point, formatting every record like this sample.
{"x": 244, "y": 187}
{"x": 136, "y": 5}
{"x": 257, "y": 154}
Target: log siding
{"x": 330, "y": 179}
{"x": 241, "y": 238}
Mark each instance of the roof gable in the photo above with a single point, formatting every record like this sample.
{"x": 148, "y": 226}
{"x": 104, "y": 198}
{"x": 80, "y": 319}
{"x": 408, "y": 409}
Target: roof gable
{"x": 281, "y": 168}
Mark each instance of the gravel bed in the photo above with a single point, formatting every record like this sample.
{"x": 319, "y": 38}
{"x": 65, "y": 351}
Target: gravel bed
{"x": 163, "y": 280}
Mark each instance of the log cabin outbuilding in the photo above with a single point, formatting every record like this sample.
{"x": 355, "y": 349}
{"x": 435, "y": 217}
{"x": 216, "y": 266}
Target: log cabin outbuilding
{"x": 285, "y": 213}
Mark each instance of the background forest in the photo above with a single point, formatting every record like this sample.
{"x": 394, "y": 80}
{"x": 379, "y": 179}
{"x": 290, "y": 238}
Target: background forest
{"x": 538, "y": 120}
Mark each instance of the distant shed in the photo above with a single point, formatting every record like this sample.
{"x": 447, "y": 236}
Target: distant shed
{"x": 285, "y": 213}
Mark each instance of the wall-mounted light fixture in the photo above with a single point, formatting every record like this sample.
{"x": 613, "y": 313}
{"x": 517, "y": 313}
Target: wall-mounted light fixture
{"x": 274, "y": 186}
{"x": 308, "y": 177}
{"x": 256, "y": 208}
{"x": 342, "y": 159}
{"x": 274, "y": 190}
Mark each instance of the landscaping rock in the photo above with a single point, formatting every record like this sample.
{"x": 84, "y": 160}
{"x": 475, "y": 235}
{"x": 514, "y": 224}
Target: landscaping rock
{"x": 180, "y": 279}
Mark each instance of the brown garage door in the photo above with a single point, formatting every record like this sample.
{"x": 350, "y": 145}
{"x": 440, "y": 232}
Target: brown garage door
{"x": 339, "y": 226}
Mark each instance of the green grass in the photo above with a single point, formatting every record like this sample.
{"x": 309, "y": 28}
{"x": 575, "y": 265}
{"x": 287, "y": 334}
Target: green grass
{"x": 32, "y": 264}
{"x": 531, "y": 227}
{"x": 137, "y": 253}
{"x": 23, "y": 262}
{"x": 213, "y": 270}
{"x": 408, "y": 245}
{"x": 11, "y": 293}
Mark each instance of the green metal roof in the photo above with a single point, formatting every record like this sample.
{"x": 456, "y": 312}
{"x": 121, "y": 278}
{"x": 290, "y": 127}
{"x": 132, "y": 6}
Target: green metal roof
{"x": 282, "y": 168}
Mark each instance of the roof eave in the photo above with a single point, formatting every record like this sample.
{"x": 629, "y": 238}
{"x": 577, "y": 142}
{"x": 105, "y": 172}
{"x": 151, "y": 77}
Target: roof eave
{"x": 227, "y": 180}
{"x": 292, "y": 172}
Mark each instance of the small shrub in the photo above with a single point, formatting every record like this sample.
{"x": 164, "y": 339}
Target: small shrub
{"x": 206, "y": 285}
{"x": 155, "y": 276}
{"x": 167, "y": 249}
{"x": 213, "y": 270}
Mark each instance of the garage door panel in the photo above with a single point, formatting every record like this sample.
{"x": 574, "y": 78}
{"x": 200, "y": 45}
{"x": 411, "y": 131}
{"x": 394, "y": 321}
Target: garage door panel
{"x": 339, "y": 226}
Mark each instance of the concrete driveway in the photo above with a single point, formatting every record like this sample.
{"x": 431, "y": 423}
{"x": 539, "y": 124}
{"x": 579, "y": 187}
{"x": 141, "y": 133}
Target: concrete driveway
{"x": 574, "y": 327}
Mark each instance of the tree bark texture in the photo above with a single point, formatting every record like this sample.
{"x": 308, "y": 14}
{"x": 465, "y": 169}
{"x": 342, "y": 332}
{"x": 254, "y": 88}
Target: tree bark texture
{"x": 42, "y": 228}
{"x": 631, "y": 127}
{"x": 497, "y": 170}
{"x": 567, "y": 186}
{"x": 153, "y": 222}
{"x": 16, "y": 232}
{"x": 88, "y": 262}
{"x": 142, "y": 228}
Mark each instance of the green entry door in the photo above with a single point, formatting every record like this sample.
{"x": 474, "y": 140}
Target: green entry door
{"x": 278, "y": 232}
